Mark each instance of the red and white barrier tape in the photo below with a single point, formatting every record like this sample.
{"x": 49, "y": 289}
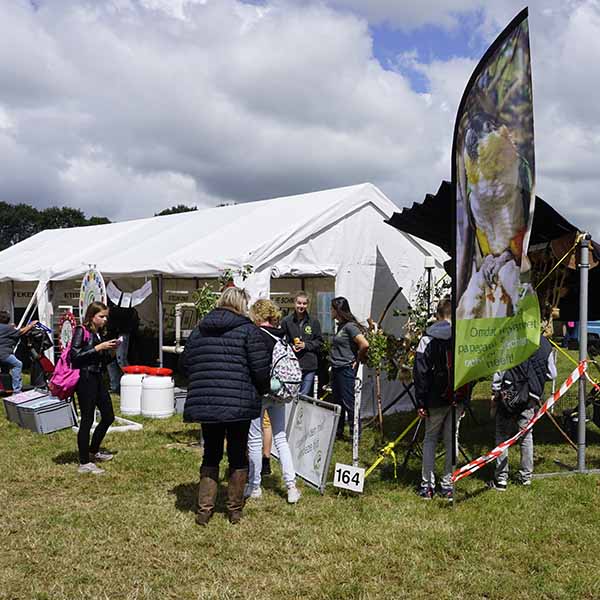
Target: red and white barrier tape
{"x": 476, "y": 464}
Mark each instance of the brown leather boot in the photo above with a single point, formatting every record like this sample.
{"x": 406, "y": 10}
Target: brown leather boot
{"x": 235, "y": 494}
{"x": 207, "y": 494}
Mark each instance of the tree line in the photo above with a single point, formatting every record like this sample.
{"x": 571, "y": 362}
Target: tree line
{"x": 20, "y": 221}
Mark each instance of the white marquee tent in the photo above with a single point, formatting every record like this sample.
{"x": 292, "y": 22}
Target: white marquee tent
{"x": 337, "y": 233}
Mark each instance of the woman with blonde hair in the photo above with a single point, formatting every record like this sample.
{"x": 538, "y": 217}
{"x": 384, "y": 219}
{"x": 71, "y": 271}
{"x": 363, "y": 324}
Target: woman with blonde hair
{"x": 90, "y": 354}
{"x": 228, "y": 368}
{"x": 267, "y": 316}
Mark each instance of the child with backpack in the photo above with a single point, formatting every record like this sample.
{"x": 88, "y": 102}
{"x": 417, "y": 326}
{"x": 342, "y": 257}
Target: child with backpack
{"x": 286, "y": 377}
{"x": 90, "y": 354}
{"x": 435, "y": 398}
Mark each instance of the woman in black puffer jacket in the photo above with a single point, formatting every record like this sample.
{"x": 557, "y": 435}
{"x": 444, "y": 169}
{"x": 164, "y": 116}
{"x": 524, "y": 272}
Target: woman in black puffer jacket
{"x": 228, "y": 367}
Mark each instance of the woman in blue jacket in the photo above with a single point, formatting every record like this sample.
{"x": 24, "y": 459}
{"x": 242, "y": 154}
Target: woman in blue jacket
{"x": 228, "y": 367}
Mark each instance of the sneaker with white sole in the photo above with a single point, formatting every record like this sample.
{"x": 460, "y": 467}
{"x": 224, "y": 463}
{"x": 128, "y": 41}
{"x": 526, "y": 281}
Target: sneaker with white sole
{"x": 252, "y": 492}
{"x": 90, "y": 468}
{"x": 293, "y": 494}
{"x": 497, "y": 486}
{"x": 101, "y": 456}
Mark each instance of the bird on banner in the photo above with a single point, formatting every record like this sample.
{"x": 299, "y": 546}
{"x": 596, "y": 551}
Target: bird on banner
{"x": 497, "y": 186}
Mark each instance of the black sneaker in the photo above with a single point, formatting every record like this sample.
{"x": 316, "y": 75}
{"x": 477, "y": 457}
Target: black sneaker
{"x": 266, "y": 466}
{"x": 497, "y": 486}
{"x": 447, "y": 493}
{"x": 426, "y": 493}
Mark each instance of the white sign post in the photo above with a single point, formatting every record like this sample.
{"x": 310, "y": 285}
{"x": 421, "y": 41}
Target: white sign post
{"x": 349, "y": 478}
{"x": 311, "y": 435}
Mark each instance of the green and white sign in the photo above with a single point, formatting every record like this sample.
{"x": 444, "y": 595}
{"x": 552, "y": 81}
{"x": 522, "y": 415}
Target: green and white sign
{"x": 497, "y": 315}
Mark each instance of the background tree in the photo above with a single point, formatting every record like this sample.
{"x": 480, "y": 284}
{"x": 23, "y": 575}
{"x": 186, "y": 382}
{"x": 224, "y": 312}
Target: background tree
{"x": 20, "y": 221}
{"x": 180, "y": 208}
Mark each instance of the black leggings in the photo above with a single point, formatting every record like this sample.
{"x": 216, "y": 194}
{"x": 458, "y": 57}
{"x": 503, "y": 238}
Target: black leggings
{"x": 92, "y": 394}
{"x": 214, "y": 435}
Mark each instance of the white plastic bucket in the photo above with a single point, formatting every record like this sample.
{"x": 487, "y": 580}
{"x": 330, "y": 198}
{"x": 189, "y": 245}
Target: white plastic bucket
{"x": 131, "y": 394}
{"x": 158, "y": 399}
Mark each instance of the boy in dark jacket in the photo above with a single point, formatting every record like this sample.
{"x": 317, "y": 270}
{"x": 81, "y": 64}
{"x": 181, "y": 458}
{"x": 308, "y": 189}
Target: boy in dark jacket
{"x": 434, "y": 399}
{"x": 304, "y": 333}
{"x": 525, "y": 383}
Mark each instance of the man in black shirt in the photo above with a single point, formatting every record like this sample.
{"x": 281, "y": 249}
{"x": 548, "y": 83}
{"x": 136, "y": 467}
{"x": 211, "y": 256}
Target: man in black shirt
{"x": 304, "y": 333}
{"x": 123, "y": 323}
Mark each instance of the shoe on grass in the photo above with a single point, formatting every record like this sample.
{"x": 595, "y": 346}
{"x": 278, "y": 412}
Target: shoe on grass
{"x": 252, "y": 492}
{"x": 266, "y": 466}
{"x": 293, "y": 494}
{"x": 447, "y": 493}
{"x": 101, "y": 456}
{"x": 90, "y": 468}
{"x": 524, "y": 482}
{"x": 497, "y": 486}
{"x": 426, "y": 493}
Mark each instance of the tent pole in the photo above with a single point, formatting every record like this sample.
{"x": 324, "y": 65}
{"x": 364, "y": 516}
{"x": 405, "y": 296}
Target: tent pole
{"x": 12, "y": 301}
{"x": 159, "y": 286}
{"x": 584, "y": 266}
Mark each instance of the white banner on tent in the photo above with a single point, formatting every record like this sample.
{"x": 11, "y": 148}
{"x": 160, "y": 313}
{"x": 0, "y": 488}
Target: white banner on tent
{"x": 311, "y": 435}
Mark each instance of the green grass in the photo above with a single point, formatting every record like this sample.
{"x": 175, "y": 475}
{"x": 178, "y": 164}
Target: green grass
{"x": 130, "y": 534}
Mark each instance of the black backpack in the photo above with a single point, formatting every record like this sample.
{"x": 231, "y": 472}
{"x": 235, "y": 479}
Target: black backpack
{"x": 514, "y": 393}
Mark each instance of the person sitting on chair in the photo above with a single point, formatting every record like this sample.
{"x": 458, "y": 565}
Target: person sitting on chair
{"x": 9, "y": 335}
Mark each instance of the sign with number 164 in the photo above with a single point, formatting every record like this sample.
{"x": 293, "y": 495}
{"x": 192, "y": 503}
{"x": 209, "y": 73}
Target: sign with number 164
{"x": 348, "y": 477}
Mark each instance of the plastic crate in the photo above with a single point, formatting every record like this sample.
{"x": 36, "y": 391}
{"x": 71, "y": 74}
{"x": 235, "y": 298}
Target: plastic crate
{"x": 46, "y": 415}
{"x": 12, "y": 402}
{"x": 180, "y": 396}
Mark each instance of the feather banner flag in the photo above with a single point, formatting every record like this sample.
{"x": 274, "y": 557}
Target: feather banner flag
{"x": 497, "y": 315}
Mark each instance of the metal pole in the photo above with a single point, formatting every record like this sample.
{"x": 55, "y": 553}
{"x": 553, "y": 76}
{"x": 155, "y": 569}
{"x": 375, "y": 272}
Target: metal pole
{"x": 584, "y": 266}
{"x": 429, "y": 292}
{"x": 159, "y": 282}
{"x": 12, "y": 301}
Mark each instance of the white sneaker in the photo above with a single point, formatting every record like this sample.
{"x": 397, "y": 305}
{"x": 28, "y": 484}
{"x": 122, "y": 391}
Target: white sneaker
{"x": 256, "y": 492}
{"x": 90, "y": 468}
{"x": 101, "y": 456}
{"x": 293, "y": 494}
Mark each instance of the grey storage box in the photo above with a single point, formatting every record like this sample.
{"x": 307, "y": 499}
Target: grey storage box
{"x": 180, "y": 396}
{"x": 12, "y": 402}
{"x": 46, "y": 415}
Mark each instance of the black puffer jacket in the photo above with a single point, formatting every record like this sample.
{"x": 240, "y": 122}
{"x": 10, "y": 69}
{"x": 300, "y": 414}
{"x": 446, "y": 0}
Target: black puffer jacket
{"x": 228, "y": 367}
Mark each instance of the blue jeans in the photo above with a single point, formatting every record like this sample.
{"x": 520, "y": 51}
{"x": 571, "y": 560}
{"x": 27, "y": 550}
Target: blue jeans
{"x": 308, "y": 381}
{"x": 16, "y": 367}
{"x": 342, "y": 388}
{"x": 114, "y": 368}
{"x": 276, "y": 412}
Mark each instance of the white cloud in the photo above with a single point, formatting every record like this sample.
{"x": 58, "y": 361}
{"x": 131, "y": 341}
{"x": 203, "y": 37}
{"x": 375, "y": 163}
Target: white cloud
{"x": 125, "y": 107}
{"x": 410, "y": 15}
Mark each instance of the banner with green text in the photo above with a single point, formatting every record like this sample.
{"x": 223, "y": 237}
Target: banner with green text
{"x": 497, "y": 315}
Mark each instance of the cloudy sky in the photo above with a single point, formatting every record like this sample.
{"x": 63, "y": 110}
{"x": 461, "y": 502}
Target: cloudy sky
{"x": 124, "y": 107}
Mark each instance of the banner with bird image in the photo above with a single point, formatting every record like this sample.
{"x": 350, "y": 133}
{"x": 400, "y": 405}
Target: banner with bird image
{"x": 497, "y": 315}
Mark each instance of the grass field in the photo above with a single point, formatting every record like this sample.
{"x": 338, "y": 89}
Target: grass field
{"x": 130, "y": 534}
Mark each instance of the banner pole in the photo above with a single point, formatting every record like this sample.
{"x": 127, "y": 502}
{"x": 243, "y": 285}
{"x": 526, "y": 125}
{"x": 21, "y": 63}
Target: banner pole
{"x": 584, "y": 266}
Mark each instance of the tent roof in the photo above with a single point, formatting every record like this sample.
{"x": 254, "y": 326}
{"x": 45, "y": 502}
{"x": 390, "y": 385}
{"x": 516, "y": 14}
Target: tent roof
{"x": 431, "y": 219}
{"x": 192, "y": 244}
